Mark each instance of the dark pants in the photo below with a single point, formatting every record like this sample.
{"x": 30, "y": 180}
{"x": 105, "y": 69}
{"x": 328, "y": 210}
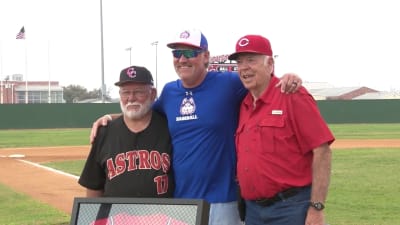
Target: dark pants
{"x": 289, "y": 211}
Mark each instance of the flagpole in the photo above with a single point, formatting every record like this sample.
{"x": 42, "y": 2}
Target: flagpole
{"x": 102, "y": 53}
{"x": 48, "y": 68}
{"x": 1, "y": 73}
{"x": 1, "y": 87}
{"x": 26, "y": 74}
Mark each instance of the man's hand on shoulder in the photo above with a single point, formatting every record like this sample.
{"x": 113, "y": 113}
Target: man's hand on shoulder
{"x": 102, "y": 121}
{"x": 289, "y": 83}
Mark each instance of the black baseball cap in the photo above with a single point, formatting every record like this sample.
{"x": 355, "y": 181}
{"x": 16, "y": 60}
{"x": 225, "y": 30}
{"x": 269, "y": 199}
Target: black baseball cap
{"x": 135, "y": 74}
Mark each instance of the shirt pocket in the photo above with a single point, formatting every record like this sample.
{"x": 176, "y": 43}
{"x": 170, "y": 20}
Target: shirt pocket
{"x": 269, "y": 129}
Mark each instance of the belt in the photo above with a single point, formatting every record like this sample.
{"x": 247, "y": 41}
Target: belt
{"x": 279, "y": 196}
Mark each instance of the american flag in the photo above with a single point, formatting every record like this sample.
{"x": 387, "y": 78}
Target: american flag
{"x": 21, "y": 34}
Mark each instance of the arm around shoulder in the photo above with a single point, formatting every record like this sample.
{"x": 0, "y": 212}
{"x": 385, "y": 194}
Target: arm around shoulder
{"x": 102, "y": 121}
{"x": 289, "y": 83}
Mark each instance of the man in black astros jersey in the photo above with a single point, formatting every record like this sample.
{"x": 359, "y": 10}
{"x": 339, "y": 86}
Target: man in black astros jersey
{"x": 131, "y": 157}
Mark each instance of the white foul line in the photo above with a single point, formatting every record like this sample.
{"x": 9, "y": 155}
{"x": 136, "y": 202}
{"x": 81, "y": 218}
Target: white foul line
{"x": 49, "y": 169}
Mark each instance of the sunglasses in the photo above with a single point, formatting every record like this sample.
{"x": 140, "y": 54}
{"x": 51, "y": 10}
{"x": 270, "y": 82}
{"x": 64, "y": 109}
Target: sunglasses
{"x": 188, "y": 53}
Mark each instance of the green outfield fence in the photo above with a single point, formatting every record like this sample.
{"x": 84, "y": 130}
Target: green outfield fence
{"x": 37, "y": 116}
{"x": 40, "y": 116}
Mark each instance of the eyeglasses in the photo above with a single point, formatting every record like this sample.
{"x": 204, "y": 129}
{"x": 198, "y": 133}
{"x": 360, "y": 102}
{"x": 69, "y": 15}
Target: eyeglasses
{"x": 140, "y": 93}
{"x": 188, "y": 53}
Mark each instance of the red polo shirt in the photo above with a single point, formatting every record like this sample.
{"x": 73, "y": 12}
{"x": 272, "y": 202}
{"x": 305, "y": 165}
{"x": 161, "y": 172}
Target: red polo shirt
{"x": 275, "y": 140}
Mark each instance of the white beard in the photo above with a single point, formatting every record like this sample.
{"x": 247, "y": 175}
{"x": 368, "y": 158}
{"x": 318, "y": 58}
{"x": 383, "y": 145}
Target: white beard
{"x": 136, "y": 114}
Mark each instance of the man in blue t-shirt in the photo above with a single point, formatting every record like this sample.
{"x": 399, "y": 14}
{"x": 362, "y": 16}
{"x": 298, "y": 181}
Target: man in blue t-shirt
{"x": 202, "y": 112}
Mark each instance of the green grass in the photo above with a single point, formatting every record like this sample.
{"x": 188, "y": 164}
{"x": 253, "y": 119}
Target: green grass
{"x": 73, "y": 166}
{"x": 365, "y": 185}
{"x": 366, "y": 131}
{"x": 69, "y": 137}
{"x": 44, "y": 137}
{"x": 18, "y": 209}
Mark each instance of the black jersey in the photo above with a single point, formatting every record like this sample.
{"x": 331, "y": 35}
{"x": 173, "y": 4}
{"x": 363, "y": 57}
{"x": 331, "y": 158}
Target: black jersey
{"x": 128, "y": 164}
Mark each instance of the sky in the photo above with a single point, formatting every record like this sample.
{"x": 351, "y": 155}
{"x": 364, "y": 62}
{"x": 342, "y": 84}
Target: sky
{"x": 343, "y": 42}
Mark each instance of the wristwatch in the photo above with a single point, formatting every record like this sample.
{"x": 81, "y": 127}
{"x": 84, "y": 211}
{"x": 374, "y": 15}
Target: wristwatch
{"x": 317, "y": 205}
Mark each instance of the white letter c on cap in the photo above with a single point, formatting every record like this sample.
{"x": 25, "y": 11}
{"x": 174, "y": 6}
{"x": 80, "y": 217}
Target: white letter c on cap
{"x": 243, "y": 42}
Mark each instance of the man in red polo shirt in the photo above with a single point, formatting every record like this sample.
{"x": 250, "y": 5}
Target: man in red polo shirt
{"x": 282, "y": 141}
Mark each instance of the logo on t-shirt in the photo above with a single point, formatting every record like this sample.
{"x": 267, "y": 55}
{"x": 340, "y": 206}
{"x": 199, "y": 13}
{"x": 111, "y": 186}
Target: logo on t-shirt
{"x": 187, "y": 108}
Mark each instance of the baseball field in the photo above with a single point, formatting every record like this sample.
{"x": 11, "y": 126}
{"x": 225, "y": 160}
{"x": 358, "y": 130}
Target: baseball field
{"x": 365, "y": 187}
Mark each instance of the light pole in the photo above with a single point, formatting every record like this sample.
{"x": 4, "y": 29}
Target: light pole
{"x": 12, "y": 93}
{"x": 1, "y": 90}
{"x": 130, "y": 55}
{"x": 155, "y": 43}
{"x": 7, "y": 85}
{"x": 103, "y": 87}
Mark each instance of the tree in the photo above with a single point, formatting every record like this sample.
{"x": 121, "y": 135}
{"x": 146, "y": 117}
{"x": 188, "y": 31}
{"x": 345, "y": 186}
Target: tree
{"x": 74, "y": 93}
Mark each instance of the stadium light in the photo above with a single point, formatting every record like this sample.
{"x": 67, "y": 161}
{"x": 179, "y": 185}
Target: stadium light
{"x": 155, "y": 43}
{"x": 130, "y": 55}
{"x": 103, "y": 86}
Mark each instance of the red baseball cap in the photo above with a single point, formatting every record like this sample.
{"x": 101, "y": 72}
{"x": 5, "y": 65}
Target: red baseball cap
{"x": 252, "y": 44}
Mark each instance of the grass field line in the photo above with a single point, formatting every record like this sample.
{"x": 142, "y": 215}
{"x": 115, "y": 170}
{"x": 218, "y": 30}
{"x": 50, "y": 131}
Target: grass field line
{"x": 47, "y": 147}
{"x": 49, "y": 169}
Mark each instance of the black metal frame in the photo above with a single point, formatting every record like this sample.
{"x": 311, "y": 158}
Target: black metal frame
{"x": 202, "y": 211}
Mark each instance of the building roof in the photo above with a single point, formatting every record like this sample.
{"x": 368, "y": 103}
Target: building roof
{"x": 38, "y": 88}
{"x": 379, "y": 95}
{"x": 93, "y": 100}
{"x": 336, "y": 91}
{"x": 317, "y": 85}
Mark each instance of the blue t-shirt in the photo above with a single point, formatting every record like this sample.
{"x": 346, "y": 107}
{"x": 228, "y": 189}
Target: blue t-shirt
{"x": 202, "y": 123}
